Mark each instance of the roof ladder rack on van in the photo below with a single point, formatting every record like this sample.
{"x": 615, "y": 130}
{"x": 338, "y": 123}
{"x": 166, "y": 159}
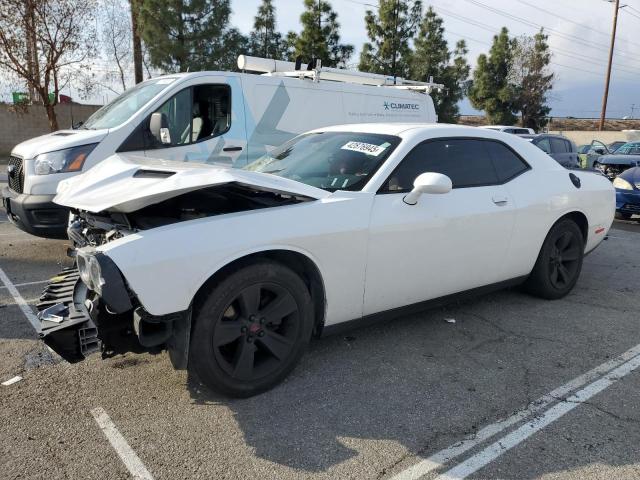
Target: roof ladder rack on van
{"x": 271, "y": 67}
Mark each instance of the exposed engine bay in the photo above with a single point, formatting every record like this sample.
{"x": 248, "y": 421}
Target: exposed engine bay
{"x": 93, "y": 229}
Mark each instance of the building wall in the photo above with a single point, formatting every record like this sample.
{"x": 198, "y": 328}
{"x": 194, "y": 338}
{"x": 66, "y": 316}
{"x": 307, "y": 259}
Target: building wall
{"x": 583, "y": 137}
{"x": 17, "y": 126}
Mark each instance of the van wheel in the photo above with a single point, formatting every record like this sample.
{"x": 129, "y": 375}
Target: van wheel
{"x": 252, "y": 329}
{"x": 623, "y": 216}
{"x": 559, "y": 263}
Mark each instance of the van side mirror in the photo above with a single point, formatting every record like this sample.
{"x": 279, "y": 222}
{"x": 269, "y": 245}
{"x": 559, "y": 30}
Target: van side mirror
{"x": 159, "y": 127}
{"x": 429, "y": 182}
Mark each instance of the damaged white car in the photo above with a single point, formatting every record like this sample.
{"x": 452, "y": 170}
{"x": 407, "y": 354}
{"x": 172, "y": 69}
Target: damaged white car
{"x": 233, "y": 271}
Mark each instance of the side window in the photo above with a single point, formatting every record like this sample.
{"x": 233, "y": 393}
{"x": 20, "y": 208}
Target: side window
{"x": 196, "y": 114}
{"x": 558, "y": 145}
{"x": 509, "y": 130}
{"x": 465, "y": 161}
{"x": 178, "y": 112}
{"x": 508, "y": 165}
{"x": 544, "y": 145}
{"x": 211, "y": 111}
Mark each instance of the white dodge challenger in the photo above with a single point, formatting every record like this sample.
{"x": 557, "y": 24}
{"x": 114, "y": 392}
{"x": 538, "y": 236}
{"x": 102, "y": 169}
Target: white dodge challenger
{"x": 234, "y": 270}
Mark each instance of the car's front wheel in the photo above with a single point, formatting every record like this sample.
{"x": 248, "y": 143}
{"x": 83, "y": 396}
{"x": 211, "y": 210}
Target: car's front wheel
{"x": 252, "y": 329}
{"x": 559, "y": 263}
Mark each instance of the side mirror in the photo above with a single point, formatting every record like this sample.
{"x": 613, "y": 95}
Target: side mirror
{"x": 430, "y": 182}
{"x": 159, "y": 127}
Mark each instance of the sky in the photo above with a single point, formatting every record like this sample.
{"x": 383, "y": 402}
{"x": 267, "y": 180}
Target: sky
{"x": 579, "y": 35}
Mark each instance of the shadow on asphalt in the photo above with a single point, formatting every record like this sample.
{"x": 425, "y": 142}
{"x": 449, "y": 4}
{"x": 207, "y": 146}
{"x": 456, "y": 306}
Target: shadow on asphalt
{"x": 424, "y": 383}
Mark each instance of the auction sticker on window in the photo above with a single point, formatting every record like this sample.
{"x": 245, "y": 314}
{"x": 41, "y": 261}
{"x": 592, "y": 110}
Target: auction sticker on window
{"x": 367, "y": 148}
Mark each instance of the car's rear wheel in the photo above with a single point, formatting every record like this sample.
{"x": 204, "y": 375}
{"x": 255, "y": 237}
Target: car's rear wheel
{"x": 252, "y": 329}
{"x": 559, "y": 263}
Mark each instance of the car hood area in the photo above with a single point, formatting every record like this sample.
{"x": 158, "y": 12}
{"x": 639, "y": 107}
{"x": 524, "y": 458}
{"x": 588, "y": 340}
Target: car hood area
{"x": 128, "y": 183}
{"x": 59, "y": 140}
{"x": 620, "y": 159}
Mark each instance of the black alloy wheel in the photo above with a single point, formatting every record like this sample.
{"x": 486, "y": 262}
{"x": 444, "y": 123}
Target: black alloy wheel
{"x": 559, "y": 262}
{"x": 257, "y": 331}
{"x": 252, "y": 329}
{"x": 564, "y": 259}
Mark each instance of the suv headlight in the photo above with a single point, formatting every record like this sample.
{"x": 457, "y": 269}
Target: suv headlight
{"x": 622, "y": 184}
{"x": 67, "y": 160}
{"x": 90, "y": 270}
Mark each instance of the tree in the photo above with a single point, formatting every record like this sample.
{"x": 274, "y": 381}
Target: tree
{"x": 136, "y": 40}
{"x": 189, "y": 35}
{"x": 388, "y": 50}
{"x": 320, "y": 35}
{"x": 532, "y": 80}
{"x": 432, "y": 58}
{"x": 265, "y": 40}
{"x": 492, "y": 90}
{"x": 42, "y": 40}
{"x": 116, "y": 38}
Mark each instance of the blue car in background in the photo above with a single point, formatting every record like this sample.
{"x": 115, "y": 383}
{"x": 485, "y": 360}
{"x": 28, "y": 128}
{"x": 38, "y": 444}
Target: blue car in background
{"x": 627, "y": 186}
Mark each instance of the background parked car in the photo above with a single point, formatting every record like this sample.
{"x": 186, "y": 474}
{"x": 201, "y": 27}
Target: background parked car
{"x": 627, "y": 193}
{"x": 560, "y": 148}
{"x": 613, "y": 146}
{"x": 625, "y": 157}
{"x": 506, "y": 129}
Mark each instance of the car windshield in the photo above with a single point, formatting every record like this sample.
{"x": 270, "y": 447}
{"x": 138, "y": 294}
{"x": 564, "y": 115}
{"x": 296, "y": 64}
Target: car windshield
{"x": 328, "y": 160}
{"x": 125, "y": 105}
{"x": 631, "y": 148}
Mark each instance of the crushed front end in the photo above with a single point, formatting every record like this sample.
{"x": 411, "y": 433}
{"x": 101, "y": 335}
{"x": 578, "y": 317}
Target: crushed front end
{"x": 89, "y": 307}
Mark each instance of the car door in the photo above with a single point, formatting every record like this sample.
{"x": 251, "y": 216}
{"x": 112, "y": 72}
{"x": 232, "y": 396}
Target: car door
{"x": 445, "y": 243}
{"x": 205, "y": 123}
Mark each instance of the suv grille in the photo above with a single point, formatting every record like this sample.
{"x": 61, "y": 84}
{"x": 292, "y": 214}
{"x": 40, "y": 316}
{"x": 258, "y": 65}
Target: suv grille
{"x": 15, "y": 174}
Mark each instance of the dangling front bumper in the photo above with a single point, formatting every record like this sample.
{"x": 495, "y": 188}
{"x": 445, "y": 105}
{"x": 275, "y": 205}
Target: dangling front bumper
{"x": 75, "y": 322}
{"x": 66, "y": 325}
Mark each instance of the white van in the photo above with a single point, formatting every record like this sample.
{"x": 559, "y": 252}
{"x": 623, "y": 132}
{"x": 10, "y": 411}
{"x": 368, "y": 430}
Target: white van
{"x": 210, "y": 117}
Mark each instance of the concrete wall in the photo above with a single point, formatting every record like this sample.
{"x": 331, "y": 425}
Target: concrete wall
{"x": 606, "y": 137}
{"x": 16, "y": 127}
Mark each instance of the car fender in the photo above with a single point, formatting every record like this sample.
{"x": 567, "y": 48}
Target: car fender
{"x": 264, "y": 249}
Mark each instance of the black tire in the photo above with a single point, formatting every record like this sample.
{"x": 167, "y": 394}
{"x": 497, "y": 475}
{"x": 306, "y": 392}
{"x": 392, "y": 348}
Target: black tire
{"x": 623, "y": 216}
{"x": 559, "y": 262}
{"x": 251, "y": 330}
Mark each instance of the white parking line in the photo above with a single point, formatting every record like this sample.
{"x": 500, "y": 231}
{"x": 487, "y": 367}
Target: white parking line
{"x": 25, "y": 284}
{"x": 125, "y": 452}
{"x": 493, "y": 451}
{"x": 24, "y": 306}
{"x": 442, "y": 457}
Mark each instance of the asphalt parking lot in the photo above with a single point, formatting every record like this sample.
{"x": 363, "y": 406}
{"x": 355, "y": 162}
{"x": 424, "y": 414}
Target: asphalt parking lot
{"x": 516, "y": 387}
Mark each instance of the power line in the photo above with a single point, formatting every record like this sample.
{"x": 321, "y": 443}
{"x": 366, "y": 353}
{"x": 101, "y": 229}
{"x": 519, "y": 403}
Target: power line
{"x": 581, "y": 25}
{"x": 524, "y": 21}
{"x": 491, "y": 29}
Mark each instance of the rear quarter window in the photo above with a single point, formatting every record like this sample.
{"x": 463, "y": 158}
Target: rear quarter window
{"x": 507, "y": 163}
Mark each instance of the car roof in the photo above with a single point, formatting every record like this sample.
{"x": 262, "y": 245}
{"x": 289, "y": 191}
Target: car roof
{"x": 398, "y": 128}
{"x": 542, "y": 135}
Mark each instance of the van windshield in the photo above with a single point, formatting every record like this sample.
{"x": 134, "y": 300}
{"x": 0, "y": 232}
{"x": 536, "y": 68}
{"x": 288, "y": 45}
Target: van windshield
{"x": 329, "y": 160}
{"x": 125, "y": 105}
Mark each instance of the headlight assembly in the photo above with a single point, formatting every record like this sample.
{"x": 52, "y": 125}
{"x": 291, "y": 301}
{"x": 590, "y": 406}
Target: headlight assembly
{"x": 68, "y": 160}
{"x": 90, "y": 271}
{"x": 622, "y": 184}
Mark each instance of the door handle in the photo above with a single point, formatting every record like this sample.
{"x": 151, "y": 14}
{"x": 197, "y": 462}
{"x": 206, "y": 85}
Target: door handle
{"x": 231, "y": 149}
{"x": 500, "y": 201}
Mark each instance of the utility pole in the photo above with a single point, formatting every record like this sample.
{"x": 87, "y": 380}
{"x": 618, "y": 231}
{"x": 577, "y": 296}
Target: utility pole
{"x": 606, "y": 85}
